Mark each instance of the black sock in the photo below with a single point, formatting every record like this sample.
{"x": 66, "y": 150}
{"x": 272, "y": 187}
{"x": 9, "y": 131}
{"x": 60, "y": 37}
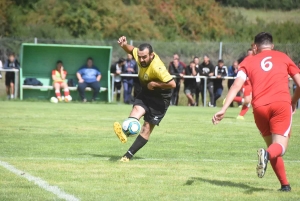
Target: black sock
{"x": 138, "y": 143}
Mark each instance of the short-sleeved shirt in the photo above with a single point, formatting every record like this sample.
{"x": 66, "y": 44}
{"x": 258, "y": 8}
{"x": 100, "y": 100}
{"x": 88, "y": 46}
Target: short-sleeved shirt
{"x": 156, "y": 72}
{"x": 89, "y": 74}
{"x": 268, "y": 73}
{"x": 56, "y": 73}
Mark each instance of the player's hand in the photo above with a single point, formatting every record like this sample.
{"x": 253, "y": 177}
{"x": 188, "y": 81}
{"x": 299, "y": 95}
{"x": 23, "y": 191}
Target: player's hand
{"x": 122, "y": 41}
{"x": 151, "y": 85}
{"x": 294, "y": 106}
{"x": 61, "y": 68}
{"x": 81, "y": 81}
{"x": 218, "y": 117}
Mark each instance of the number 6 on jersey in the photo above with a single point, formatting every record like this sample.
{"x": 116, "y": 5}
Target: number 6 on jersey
{"x": 265, "y": 64}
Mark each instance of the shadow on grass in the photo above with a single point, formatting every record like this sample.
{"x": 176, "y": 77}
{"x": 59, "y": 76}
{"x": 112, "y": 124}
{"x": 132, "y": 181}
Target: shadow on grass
{"x": 248, "y": 189}
{"x": 110, "y": 157}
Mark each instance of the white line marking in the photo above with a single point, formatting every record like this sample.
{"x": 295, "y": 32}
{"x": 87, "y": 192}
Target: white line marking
{"x": 38, "y": 181}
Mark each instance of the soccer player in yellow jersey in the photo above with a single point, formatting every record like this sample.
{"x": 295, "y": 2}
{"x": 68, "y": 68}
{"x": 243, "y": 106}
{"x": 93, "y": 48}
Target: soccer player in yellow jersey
{"x": 153, "y": 100}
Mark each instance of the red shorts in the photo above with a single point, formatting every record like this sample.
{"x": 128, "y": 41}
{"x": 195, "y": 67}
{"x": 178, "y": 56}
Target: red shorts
{"x": 274, "y": 118}
{"x": 247, "y": 89}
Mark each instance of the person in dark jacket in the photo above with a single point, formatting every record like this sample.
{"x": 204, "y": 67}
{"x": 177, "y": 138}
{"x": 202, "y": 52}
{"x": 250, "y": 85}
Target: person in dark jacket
{"x": 207, "y": 69}
{"x": 220, "y": 73}
{"x": 190, "y": 83}
{"x": 176, "y": 69}
{"x": 129, "y": 67}
{"x": 117, "y": 69}
{"x": 11, "y": 63}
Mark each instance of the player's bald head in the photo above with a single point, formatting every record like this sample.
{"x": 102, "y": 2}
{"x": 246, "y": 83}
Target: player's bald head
{"x": 263, "y": 39}
{"x": 144, "y": 46}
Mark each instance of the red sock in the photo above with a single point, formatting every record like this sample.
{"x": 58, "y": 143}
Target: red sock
{"x": 238, "y": 99}
{"x": 274, "y": 150}
{"x": 244, "y": 110}
{"x": 66, "y": 93}
{"x": 278, "y": 167}
{"x": 57, "y": 93}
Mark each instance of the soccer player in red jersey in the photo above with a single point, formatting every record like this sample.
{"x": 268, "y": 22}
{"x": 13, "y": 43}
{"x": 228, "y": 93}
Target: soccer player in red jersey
{"x": 247, "y": 91}
{"x": 268, "y": 72}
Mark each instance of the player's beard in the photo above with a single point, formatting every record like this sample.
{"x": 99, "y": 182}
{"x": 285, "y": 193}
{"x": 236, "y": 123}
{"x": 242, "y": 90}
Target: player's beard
{"x": 146, "y": 64}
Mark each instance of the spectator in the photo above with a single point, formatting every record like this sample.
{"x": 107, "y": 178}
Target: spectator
{"x": 198, "y": 80}
{"x": 130, "y": 67}
{"x": 232, "y": 72}
{"x": 11, "y": 63}
{"x": 59, "y": 81}
{"x": 189, "y": 83}
{"x": 207, "y": 69}
{"x": 88, "y": 76}
{"x": 176, "y": 56}
{"x": 176, "y": 69}
{"x": 116, "y": 69}
{"x": 220, "y": 73}
{"x": 1, "y": 66}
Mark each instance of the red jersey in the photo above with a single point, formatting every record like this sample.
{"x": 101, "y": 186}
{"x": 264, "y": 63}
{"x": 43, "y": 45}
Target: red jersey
{"x": 268, "y": 73}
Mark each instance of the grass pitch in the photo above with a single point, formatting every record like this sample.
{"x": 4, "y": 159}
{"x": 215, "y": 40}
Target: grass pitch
{"x": 72, "y": 146}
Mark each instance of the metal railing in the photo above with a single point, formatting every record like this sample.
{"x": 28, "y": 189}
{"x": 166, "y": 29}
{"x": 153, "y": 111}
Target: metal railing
{"x": 185, "y": 76}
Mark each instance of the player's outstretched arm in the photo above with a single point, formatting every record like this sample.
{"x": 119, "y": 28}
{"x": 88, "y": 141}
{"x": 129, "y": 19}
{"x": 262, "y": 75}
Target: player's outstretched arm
{"x": 234, "y": 89}
{"x": 123, "y": 43}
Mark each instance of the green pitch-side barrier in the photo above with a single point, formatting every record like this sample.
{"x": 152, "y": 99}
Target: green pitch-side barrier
{"x": 38, "y": 61}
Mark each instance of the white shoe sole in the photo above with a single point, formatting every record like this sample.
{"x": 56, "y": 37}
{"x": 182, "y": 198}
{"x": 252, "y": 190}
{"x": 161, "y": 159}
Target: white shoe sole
{"x": 261, "y": 165}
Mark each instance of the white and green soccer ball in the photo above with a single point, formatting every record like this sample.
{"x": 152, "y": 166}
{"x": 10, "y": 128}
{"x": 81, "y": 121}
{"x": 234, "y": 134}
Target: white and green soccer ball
{"x": 131, "y": 126}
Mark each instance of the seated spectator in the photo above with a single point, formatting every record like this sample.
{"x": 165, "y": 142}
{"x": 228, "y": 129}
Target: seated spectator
{"x": 190, "y": 83}
{"x": 220, "y": 73}
{"x": 116, "y": 69}
{"x": 59, "y": 81}
{"x": 207, "y": 69}
{"x": 11, "y": 63}
{"x": 130, "y": 67}
{"x": 88, "y": 76}
{"x": 176, "y": 69}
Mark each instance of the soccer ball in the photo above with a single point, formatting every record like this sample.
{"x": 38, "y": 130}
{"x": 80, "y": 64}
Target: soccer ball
{"x": 131, "y": 126}
{"x": 54, "y": 100}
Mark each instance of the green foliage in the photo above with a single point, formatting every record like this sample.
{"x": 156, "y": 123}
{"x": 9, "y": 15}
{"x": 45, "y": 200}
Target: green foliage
{"x": 161, "y": 20}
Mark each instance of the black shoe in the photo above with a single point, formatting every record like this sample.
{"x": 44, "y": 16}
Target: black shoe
{"x": 285, "y": 188}
{"x": 263, "y": 158}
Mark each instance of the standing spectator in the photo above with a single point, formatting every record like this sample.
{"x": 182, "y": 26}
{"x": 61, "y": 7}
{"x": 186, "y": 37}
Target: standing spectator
{"x": 130, "y": 67}
{"x": 11, "y": 63}
{"x": 232, "y": 72}
{"x": 1, "y": 66}
{"x": 59, "y": 81}
{"x": 189, "y": 83}
{"x": 220, "y": 73}
{"x": 117, "y": 69}
{"x": 176, "y": 56}
{"x": 88, "y": 76}
{"x": 176, "y": 69}
{"x": 207, "y": 69}
{"x": 198, "y": 80}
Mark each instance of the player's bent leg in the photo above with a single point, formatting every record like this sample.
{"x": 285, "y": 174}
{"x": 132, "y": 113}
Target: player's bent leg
{"x": 139, "y": 142}
{"x": 136, "y": 112}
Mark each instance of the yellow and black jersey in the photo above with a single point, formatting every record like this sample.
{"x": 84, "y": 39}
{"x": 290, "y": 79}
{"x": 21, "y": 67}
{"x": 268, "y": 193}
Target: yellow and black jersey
{"x": 156, "y": 72}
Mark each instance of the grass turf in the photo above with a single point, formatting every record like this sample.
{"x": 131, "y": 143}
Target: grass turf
{"x": 72, "y": 146}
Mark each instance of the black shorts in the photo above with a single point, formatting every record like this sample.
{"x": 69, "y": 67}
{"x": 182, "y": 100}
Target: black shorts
{"x": 9, "y": 78}
{"x": 155, "y": 107}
